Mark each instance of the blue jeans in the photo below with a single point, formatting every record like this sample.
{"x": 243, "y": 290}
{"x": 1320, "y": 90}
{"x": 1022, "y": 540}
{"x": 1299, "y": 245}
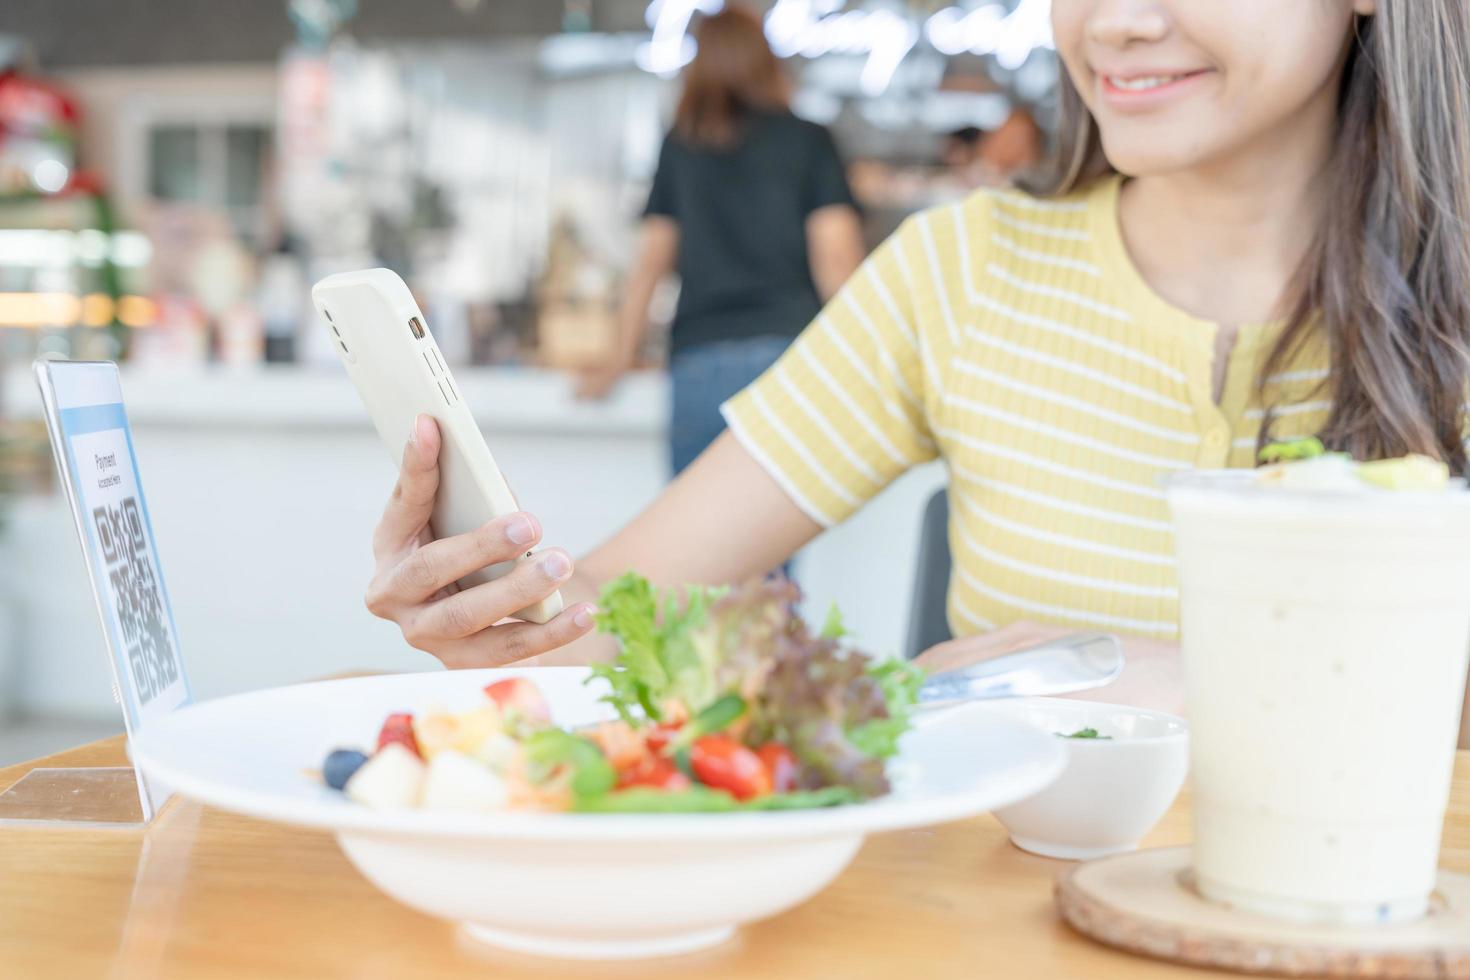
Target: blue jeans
{"x": 704, "y": 376}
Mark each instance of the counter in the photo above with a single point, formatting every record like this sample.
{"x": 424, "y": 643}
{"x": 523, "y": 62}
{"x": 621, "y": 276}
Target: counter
{"x": 264, "y": 486}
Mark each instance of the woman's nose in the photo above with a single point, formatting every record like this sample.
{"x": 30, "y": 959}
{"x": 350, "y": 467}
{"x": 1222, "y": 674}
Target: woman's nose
{"x": 1118, "y": 23}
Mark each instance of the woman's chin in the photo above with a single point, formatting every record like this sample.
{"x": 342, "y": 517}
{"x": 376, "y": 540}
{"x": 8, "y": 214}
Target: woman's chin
{"x": 1144, "y": 157}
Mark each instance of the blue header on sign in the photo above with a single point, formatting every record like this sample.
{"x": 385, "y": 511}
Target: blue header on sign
{"x": 93, "y": 418}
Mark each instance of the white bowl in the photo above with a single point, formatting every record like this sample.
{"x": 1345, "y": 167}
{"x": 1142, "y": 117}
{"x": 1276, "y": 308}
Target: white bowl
{"x": 1112, "y": 791}
{"x": 572, "y": 885}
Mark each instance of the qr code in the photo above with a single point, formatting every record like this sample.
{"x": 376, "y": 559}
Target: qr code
{"x": 135, "y": 596}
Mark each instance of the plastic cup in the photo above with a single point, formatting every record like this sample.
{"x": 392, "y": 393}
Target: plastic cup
{"x": 1325, "y": 640}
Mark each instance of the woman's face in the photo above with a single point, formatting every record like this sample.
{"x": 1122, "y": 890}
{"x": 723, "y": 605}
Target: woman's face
{"x": 1179, "y": 84}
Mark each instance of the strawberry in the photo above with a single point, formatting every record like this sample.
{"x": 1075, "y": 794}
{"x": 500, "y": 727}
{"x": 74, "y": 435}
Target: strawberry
{"x": 398, "y": 730}
{"x": 520, "y": 695}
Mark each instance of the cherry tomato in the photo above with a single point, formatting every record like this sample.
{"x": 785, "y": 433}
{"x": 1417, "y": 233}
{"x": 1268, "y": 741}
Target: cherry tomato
{"x": 723, "y": 763}
{"x": 780, "y": 766}
{"x": 658, "y": 736}
{"x": 522, "y": 695}
{"x": 399, "y": 728}
{"x": 655, "y": 772}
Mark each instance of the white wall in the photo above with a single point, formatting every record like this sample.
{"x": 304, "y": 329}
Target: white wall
{"x": 120, "y": 103}
{"x": 264, "y": 487}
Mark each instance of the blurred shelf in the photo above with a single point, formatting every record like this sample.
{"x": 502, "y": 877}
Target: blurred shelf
{"x": 507, "y": 399}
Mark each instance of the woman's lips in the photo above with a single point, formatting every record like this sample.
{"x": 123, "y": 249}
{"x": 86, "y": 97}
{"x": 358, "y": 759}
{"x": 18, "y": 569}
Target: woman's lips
{"x": 1146, "y": 89}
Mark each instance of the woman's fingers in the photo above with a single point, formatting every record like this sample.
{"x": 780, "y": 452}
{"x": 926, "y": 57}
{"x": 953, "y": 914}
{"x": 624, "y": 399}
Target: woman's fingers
{"x": 1153, "y": 677}
{"x": 412, "y": 501}
{"x": 513, "y": 642}
{"x": 437, "y": 564}
{"x": 967, "y": 650}
{"x": 415, "y": 573}
{"x": 466, "y": 613}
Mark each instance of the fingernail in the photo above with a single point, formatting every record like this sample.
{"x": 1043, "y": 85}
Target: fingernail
{"x": 556, "y": 565}
{"x": 583, "y": 619}
{"x": 416, "y": 436}
{"x": 520, "y": 531}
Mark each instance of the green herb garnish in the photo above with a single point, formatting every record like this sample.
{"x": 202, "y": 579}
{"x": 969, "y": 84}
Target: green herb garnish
{"x": 1087, "y": 733}
{"x": 1292, "y": 450}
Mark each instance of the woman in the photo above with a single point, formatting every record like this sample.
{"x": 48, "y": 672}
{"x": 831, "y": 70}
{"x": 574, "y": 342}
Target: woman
{"x": 1249, "y": 233}
{"x": 750, "y": 206}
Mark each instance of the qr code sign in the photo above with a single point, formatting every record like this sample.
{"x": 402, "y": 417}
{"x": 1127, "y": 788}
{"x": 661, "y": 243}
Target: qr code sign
{"x": 135, "y": 596}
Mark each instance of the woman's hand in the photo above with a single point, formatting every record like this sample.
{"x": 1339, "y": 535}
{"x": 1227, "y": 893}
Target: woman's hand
{"x": 596, "y": 383}
{"x": 414, "y": 580}
{"x": 1151, "y": 677}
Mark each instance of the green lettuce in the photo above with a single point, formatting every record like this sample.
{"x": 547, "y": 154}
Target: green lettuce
{"x": 900, "y": 681}
{"x": 657, "y": 654}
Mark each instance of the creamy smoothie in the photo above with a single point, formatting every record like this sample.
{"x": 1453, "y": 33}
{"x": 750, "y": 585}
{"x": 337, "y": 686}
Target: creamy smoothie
{"x": 1325, "y": 627}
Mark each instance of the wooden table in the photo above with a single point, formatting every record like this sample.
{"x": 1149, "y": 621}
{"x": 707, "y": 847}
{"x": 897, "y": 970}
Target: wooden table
{"x": 206, "y": 894}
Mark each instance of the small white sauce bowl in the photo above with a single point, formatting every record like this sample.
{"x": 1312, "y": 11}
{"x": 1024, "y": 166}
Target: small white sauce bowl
{"x": 1112, "y": 791}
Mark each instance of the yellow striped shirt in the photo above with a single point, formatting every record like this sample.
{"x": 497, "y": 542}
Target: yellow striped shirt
{"x": 1014, "y": 338}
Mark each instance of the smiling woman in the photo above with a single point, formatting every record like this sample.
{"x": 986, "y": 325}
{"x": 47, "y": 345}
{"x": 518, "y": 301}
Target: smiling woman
{"x": 1375, "y": 123}
{"x": 1254, "y": 229}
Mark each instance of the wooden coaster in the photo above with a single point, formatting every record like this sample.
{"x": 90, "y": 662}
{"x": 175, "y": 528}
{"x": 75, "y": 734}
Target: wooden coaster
{"x": 1142, "y": 902}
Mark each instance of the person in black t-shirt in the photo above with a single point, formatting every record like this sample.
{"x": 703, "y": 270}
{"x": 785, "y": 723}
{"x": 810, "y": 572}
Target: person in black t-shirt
{"x": 751, "y": 208}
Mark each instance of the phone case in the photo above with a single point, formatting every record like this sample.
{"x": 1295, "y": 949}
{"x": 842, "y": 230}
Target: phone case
{"x": 384, "y": 342}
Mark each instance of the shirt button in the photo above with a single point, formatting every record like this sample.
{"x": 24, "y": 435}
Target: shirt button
{"x": 1216, "y": 439}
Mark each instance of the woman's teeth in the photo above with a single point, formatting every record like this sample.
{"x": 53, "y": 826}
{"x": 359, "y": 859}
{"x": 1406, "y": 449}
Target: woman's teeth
{"x": 1142, "y": 82}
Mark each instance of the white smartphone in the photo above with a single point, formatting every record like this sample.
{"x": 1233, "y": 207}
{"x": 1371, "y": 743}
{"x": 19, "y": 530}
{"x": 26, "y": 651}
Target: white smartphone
{"x": 385, "y": 344}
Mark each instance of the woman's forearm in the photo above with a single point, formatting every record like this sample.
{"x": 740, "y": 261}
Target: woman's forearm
{"x": 724, "y": 520}
{"x": 835, "y": 249}
{"x": 658, "y": 248}
{"x": 632, "y": 322}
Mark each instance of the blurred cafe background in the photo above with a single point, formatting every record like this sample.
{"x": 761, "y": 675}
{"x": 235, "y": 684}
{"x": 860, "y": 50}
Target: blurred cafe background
{"x": 175, "y": 174}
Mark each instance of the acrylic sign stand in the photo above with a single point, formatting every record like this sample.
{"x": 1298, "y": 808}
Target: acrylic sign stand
{"x": 93, "y": 447}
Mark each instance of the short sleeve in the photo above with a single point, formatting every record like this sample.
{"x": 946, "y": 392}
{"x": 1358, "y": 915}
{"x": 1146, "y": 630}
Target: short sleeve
{"x": 826, "y": 180}
{"x": 661, "y": 194}
{"x": 843, "y": 412}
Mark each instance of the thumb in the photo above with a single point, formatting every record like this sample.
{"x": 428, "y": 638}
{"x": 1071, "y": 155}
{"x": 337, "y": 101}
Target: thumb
{"x": 412, "y": 502}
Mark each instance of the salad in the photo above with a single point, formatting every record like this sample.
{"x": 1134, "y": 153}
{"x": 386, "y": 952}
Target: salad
{"x": 724, "y": 699}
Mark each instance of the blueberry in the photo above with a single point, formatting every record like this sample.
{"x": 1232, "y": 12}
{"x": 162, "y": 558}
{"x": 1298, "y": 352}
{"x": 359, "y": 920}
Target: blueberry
{"x": 340, "y": 766}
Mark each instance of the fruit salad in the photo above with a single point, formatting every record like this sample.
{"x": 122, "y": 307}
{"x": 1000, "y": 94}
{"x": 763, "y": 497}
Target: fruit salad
{"x": 724, "y": 700}
{"x": 1304, "y": 464}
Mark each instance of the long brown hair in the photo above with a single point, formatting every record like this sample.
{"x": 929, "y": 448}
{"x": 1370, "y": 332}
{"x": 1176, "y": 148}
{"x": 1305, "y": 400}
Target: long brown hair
{"x": 733, "y": 72}
{"x": 1386, "y": 281}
